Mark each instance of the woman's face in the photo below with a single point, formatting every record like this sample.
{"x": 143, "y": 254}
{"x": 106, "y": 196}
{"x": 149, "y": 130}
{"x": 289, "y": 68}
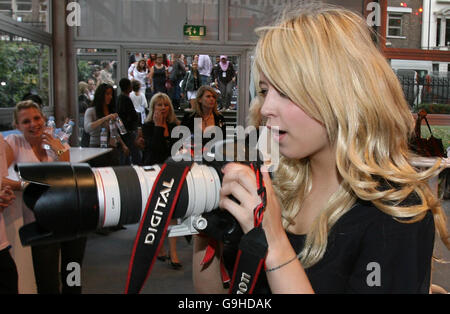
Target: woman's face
{"x": 31, "y": 123}
{"x": 299, "y": 135}
{"x": 162, "y": 106}
{"x": 108, "y": 96}
{"x": 208, "y": 101}
{"x": 159, "y": 60}
{"x": 142, "y": 63}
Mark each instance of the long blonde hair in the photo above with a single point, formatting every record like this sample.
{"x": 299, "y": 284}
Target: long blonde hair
{"x": 171, "y": 117}
{"x": 327, "y": 63}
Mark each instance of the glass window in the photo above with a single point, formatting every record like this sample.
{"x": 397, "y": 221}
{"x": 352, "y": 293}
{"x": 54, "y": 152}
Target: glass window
{"x": 24, "y": 68}
{"x": 395, "y": 25}
{"x": 182, "y": 93}
{"x": 31, "y": 12}
{"x": 138, "y": 20}
{"x": 97, "y": 64}
{"x": 244, "y": 16}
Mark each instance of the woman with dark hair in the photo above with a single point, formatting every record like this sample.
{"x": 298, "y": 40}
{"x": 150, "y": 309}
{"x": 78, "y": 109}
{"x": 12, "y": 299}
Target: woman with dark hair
{"x": 158, "y": 75}
{"x": 191, "y": 83}
{"x": 140, "y": 73}
{"x": 98, "y": 116}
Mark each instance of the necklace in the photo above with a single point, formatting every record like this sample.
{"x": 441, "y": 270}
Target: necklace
{"x": 205, "y": 120}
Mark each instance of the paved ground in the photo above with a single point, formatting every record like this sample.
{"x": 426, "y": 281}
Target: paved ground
{"x": 106, "y": 265}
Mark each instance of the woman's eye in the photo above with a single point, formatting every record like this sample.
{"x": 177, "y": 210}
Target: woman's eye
{"x": 282, "y": 94}
{"x": 262, "y": 92}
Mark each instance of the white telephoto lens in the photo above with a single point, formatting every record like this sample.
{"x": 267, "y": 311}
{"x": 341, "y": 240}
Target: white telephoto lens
{"x": 108, "y": 196}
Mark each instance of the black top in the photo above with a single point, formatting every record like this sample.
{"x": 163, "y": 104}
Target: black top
{"x": 188, "y": 120}
{"x": 127, "y": 113}
{"x": 157, "y": 147}
{"x": 218, "y": 73}
{"x": 367, "y": 252}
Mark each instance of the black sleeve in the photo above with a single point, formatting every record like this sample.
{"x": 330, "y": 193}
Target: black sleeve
{"x": 128, "y": 114}
{"x": 394, "y": 257}
{"x": 233, "y": 72}
{"x": 188, "y": 121}
{"x": 156, "y": 149}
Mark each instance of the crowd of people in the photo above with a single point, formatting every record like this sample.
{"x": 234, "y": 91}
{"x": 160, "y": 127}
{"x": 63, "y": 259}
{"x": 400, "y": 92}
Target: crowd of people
{"x": 344, "y": 196}
{"x": 147, "y": 141}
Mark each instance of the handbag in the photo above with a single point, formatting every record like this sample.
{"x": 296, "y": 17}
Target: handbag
{"x": 431, "y": 147}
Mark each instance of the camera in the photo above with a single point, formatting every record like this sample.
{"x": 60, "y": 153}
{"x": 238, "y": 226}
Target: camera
{"x": 70, "y": 200}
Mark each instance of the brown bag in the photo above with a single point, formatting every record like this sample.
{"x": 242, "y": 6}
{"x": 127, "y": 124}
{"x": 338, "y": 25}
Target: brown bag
{"x": 431, "y": 147}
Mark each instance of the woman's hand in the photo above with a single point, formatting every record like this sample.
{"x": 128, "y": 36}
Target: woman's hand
{"x": 6, "y": 197}
{"x": 159, "y": 117}
{"x": 240, "y": 182}
{"x": 112, "y": 116}
{"x": 125, "y": 150}
{"x": 54, "y": 143}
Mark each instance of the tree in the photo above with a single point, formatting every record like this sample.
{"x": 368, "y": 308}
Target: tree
{"x": 24, "y": 68}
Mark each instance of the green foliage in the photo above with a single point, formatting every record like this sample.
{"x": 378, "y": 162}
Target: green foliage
{"x": 434, "y": 108}
{"x": 84, "y": 70}
{"x": 24, "y": 67}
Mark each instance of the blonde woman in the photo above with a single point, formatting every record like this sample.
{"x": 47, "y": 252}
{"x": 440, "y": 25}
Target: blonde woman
{"x": 158, "y": 144}
{"x": 157, "y": 128}
{"x": 49, "y": 260}
{"x": 346, "y": 212}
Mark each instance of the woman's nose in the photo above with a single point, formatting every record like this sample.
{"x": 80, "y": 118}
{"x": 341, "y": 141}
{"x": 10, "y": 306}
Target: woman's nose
{"x": 268, "y": 108}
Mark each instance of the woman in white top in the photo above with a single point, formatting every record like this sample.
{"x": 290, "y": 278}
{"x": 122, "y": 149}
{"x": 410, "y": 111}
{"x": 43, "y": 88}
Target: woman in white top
{"x": 138, "y": 71}
{"x": 139, "y": 100}
{"x": 27, "y": 147}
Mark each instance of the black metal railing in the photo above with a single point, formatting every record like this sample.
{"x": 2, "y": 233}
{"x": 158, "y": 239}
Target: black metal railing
{"x": 426, "y": 90}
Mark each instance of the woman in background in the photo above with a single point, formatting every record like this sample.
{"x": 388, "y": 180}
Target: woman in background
{"x": 28, "y": 147}
{"x": 97, "y": 117}
{"x": 157, "y": 129}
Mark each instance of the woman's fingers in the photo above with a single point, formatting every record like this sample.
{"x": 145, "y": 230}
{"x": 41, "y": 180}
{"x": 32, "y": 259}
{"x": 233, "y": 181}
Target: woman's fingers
{"x": 240, "y": 174}
{"x": 240, "y": 182}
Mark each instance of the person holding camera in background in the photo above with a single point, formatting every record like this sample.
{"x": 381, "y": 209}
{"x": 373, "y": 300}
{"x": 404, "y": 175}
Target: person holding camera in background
{"x": 344, "y": 202}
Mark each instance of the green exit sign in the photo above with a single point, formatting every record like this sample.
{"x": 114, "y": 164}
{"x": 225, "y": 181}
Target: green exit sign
{"x": 194, "y": 30}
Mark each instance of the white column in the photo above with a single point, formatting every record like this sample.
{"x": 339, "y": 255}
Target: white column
{"x": 442, "y": 42}
{"x": 426, "y": 24}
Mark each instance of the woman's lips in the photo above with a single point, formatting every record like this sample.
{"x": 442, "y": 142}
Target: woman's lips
{"x": 277, "y": 134}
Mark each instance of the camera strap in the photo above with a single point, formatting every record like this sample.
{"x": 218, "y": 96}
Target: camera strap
{"x": 252, "y": 247}
{"x": 154, "y": 223}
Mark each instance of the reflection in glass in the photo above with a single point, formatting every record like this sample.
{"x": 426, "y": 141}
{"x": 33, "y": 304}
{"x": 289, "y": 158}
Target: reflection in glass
{"x": 146, "y": 19}
{"x": 24, "y": 68}
{"x": 32, "y": 12}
